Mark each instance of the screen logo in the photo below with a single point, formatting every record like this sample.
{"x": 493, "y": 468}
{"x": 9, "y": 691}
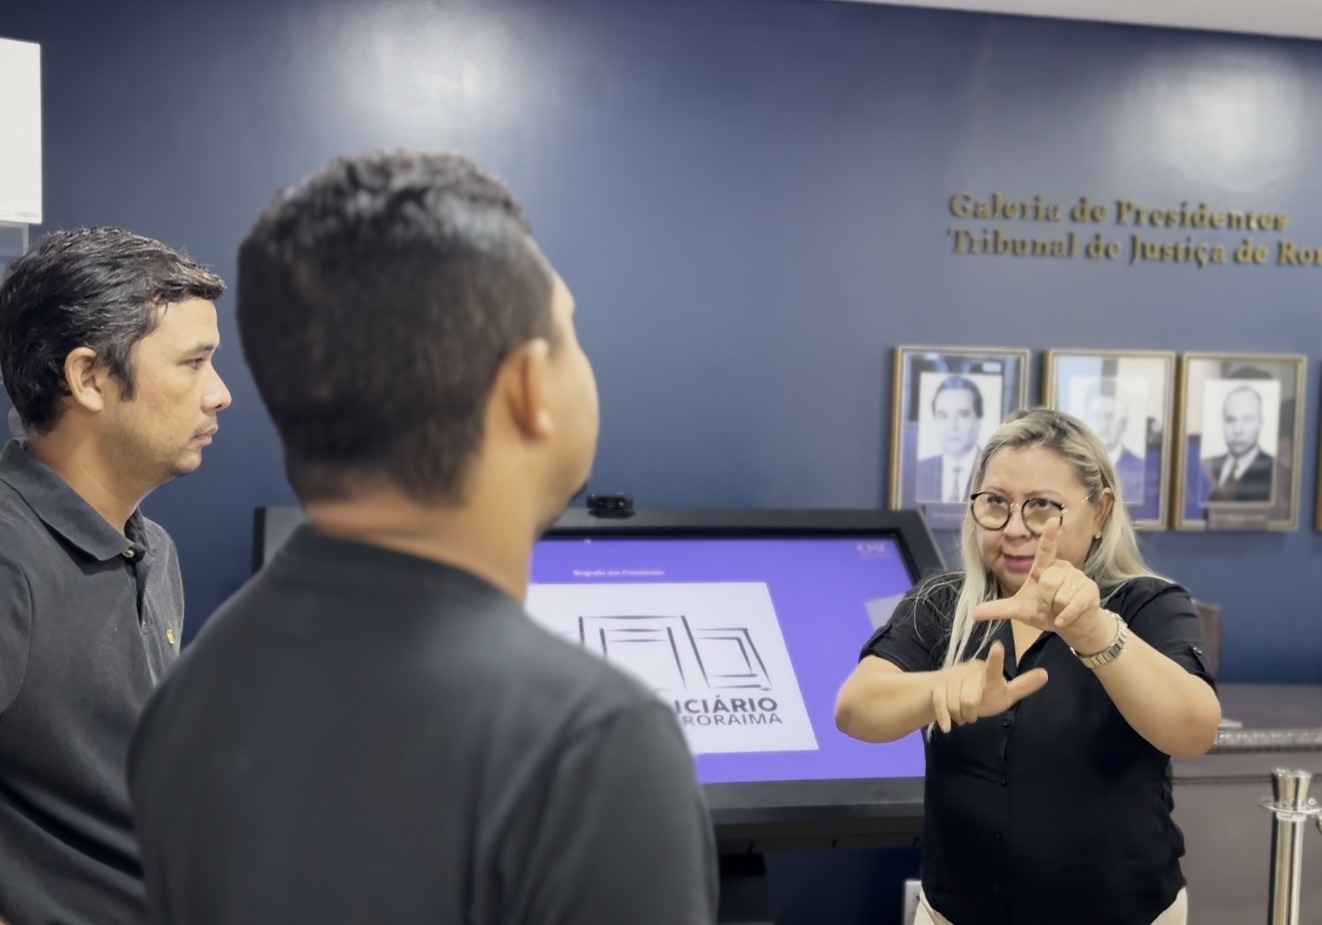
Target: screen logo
{"x": 672, "y": 656}
{"x": 874, "y": 549}
{"x": 713, "y": 651}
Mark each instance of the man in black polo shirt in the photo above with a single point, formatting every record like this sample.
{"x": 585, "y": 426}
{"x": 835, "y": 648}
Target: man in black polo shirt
{"x": 105, "y": 348}
{"x": 373, "y": 730}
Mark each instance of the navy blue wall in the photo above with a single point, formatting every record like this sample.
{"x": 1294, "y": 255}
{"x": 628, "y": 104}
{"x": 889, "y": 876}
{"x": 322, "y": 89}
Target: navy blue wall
{"x": 748, "y": 197}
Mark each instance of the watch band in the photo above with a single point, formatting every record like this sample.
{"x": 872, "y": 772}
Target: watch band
{"x": 1110, "y": 652}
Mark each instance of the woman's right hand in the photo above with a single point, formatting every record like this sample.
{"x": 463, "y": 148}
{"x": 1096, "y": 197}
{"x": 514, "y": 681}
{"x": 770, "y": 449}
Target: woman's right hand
{"x": 976, "y": 689}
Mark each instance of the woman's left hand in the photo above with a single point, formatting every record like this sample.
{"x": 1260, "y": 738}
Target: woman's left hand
{"x": 1055, "y": 597}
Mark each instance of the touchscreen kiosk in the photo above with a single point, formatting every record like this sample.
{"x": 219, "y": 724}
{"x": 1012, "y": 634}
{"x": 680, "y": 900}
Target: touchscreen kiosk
{"x": 745, "y": 623}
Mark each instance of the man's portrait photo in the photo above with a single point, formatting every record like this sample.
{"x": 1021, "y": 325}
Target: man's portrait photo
{"x": 1116, "y": 410}
{"x": 951, "y": 429}
{"x": 1128, "y": 399}
{"x": 1240, "y": 423}
{"x": 948, "y": 402}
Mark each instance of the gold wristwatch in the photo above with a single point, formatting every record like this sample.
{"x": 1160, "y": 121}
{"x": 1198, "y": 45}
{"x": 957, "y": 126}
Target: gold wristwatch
{"x": 1110, "y": 652}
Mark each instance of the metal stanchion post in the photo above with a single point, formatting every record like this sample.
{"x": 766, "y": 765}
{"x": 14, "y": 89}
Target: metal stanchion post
{"x": 1291, "y": 809}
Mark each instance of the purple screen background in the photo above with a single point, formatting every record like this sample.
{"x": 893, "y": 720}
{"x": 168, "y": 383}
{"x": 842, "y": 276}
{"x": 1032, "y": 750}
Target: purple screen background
{"x": 818, "y": 586}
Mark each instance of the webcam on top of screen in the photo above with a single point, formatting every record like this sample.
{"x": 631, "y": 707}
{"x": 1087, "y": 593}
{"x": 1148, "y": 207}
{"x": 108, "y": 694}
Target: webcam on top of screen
{"x": 610, "y": 505}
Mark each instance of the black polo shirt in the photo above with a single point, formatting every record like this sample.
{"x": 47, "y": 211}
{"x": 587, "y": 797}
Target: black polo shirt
{"x": 1056, "y": 810}
{"x": 365, "y": 736}
{"x": 89, "y": 620}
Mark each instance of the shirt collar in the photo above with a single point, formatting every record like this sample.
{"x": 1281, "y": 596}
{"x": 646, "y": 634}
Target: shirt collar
{"x": 1240, "y": 464}
{"x": 63, "y": 510}
{"x": 965, "y": 462}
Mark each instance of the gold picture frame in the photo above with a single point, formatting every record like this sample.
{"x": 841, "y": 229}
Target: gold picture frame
{"x": 1238, "y": 446}
{"x": 1317, "y": 487}
{"x": 933, "y": 442}
{"x": 1128, "y": 397}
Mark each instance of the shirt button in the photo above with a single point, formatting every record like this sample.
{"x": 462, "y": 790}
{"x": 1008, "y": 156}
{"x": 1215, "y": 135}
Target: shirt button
{"x": 128, "y": 554}
{"x": 997, "y": 836}
{"x": 1006, "y": 722}
{"x": 1005, "y": 782}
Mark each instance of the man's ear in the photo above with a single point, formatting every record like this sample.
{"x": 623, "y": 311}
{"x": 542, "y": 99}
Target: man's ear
{"x": 86, "y": 378}
{"x": 524, "y": 384}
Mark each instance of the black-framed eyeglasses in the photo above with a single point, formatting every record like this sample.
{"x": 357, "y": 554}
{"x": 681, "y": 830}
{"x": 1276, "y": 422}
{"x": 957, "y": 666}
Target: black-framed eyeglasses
{"x": 993, "y": 511}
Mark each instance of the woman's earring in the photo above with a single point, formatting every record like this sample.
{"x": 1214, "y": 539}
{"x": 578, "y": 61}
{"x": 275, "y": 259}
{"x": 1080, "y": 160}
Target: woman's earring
{"x": 1097, "y": 536}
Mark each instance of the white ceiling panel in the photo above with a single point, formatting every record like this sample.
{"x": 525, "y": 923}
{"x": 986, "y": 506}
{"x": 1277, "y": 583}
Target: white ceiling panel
{"x": 1290, "y": 18}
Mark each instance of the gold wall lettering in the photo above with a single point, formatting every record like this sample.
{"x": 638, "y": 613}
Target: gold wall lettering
{"x": 1123, "y": 231}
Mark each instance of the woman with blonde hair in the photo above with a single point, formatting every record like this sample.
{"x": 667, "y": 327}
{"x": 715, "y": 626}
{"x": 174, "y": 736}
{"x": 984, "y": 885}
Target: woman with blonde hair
{"x": 1055, "y": 676}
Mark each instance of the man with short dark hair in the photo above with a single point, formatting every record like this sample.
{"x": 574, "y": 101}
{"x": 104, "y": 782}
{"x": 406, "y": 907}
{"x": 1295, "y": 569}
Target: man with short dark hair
{"x": 106, "y": 339}
{"x": 373, "y": 729}
{"x": 957, "y": 419}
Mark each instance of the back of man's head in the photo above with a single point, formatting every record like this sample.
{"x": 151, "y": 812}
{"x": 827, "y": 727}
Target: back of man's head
{"x": 376, "y": 302}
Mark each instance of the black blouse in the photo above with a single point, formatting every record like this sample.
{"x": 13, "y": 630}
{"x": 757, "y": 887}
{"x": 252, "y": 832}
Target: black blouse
{"x": 1056, "y": 810}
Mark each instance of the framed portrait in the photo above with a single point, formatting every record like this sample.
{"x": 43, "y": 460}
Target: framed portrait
{"x": 1241, "y": 418}
{"x": 948, "y": 401}
{"x": 1128, "y": 398}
